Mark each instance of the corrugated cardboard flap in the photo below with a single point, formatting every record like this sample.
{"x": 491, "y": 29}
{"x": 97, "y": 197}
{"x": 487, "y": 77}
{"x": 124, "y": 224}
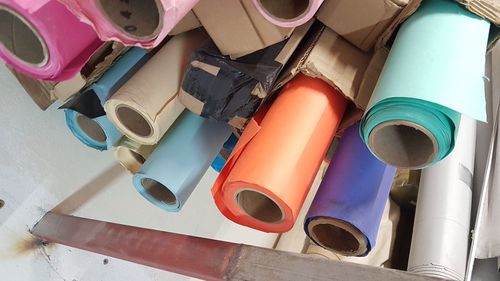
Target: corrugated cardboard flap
{"x": 488, "y": 9}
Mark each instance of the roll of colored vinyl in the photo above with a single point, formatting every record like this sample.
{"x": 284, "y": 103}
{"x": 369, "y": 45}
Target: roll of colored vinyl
{"x": 227, "y": 149}
{"x": 85, "y": 115}
{"x": 346, "y": 212}
{"x": 44, "y": 40}
{"x": 142, "y": 23}
{"x": 267, "y": 177}
{"x": 174, "y": 169}
{"x": 414, "y": 113}
{"x": 145, "y": 106}
{"x": 288, "y": 13}
{"x": 132, "y": 155}
{"x": 440, "y": 238}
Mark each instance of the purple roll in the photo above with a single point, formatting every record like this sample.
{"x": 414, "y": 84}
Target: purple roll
{"x": 346, "y": 212}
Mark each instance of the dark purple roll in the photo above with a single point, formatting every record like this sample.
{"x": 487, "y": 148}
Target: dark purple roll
{"x": 346, "y": 212}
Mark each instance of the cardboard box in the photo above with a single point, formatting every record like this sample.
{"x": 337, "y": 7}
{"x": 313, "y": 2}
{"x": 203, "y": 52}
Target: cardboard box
{"x": 188, "y": 22}
{"x": 237, "y": 28}
{"x": 326, "y": 55}
{"x": 488, "y": 9}
{"x": 45, "y": 93}
{"x": 360, "y": 22}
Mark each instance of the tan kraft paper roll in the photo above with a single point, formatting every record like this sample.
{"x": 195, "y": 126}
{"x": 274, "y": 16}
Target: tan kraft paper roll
{"x": 147, "y": 105}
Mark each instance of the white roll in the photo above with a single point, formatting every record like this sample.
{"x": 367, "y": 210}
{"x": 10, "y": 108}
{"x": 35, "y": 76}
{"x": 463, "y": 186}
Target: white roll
{"x": 147, "y": 105}
{"x": 442, "y": 220}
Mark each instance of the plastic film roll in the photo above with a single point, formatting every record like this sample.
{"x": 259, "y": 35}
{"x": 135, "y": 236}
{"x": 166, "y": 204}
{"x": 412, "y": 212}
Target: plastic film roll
{"x": 346, "y": 212}
{"x": 132, "y": 155}
{"x": 44, "y": 40}
{"x": 174, "y": 169}
{"x": 414, "y": 113}
{"x": 85, "y": 115}
{"x": 271, "y": 169}
{"x": 143, "y": 23}
{"x": 288, "y": 13}
{"x": 440, "y": 238}
{"x": 145, "y": 107}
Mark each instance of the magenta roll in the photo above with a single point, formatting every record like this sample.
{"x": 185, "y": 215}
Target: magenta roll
{"x": 141, "y": 23}
{"x": 44, "y": 40}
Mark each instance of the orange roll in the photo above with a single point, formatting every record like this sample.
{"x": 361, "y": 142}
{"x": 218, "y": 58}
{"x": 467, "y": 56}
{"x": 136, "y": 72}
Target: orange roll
{"x": 267, "y": 177}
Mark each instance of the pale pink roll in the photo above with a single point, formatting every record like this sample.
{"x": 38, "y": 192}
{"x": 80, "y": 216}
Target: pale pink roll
{"x": 44, "y": 40}
{"x": 142, "y": 23}
{"x": 288, "y": 13}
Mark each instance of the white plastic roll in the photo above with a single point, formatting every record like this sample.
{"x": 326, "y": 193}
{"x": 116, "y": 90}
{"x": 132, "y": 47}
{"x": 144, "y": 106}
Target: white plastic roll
{"x": 147, "y": 105}
{"x": 441, "y": 231}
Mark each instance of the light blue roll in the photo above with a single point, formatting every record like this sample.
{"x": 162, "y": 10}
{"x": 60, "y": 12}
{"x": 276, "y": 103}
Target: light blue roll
{"x": 227, "y": 149}
{"x": 434, "y": 73}
{"x": 174, "y": 169}
{"x": 99, "y": 133}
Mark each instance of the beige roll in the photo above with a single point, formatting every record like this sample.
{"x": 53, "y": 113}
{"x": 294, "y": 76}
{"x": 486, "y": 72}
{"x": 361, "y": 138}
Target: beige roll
{"x": 147, "y": 105}
{"x": 132, "y": 155}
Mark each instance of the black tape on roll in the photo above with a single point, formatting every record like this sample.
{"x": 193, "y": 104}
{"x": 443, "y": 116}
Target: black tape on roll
{"x": 217, "y": 87}
{"x": 86, "y": 103}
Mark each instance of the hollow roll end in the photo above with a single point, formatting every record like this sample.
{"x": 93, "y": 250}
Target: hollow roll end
{"x": 338, "y": 236}
{"x": 259, "y": 206}
{"x": 129, "y": 159}
{"x": 403, "y": 144}
{"x": 156, "y": 192}
{"x": 285, "y": 12}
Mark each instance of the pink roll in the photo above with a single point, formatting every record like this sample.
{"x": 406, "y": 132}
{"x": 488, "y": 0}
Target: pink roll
{"x": 142, "y": 23}
{"x": 42, "y": 39}
{"x": 288, "y": 13}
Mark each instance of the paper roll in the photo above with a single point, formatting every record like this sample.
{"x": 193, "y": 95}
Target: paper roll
{"x": 269, "y": 173}
{"x": 142, "y": 23}
{"x": 288, "y": 13}
{"x": 85, "y": 115}
{"x": 227, "y": 149}
{"x": 145, "y": 107}
{"x": 174, "y": 169}
{"x": 132, "y": 155}
{"x": 440, "y": 238}
{"x": 413, "y": 115}
{"x": 346, "y": 212}
{"x": 44, "y": 40}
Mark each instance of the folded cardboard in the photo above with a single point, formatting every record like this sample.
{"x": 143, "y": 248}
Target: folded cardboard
{"x": 326, "y": 55}
{"x": 360, "y": 22}
{"x": 216, "y": 87}
{"x": 488, "y": 9}
{"x": 237, "y": 28}
{"x": 45, "y": 93}
{"x": 189, "y": 22}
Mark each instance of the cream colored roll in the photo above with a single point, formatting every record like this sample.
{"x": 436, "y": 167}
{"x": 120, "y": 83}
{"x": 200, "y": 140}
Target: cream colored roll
{"x": 147, "y": 105}
{"x": 132, "y": 155}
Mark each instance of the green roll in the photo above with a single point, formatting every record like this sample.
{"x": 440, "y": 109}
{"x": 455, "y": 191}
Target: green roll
{"x": 434, "y": 73}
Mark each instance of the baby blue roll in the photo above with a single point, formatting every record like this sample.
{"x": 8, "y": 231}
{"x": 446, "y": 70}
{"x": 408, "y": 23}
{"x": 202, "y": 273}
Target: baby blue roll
{"x": 99, "y": 133}
{"x": 434, "y": 73}
{"x": 181, "y": 158}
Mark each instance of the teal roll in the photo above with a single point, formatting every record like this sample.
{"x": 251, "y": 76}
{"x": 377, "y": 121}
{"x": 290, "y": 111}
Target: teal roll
{"x": 181, "y": 158}
{"x": 97, "y": 133}
{"x": 434, "y": 73}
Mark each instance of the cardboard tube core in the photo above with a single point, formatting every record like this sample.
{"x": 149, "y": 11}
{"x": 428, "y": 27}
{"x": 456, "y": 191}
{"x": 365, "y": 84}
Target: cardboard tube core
{"x": 158, "y": 191}
{"x": 259, "y": 206}
{"x": 21, "y": 39}
{"x": 285, "y": 9}
{"x": 133, "y": 121}
{"x": 338, "y": 236}
{"x": 140, "y": 19}
{"x": 403, "y": 144}
{"x": 91, "y": 128}
{"x": 129, "y": 159}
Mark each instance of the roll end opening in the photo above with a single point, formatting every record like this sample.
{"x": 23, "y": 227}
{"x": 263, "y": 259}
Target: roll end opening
{"x": 259, "y": 206}
{"x": 285, "y": 9}
{"x": 91, "y": 128}
{"x": 403, "y": 144}
{"x": 338, "y": 237}
{"x": 131, "y": 160}
{"x": 158, "y": 191}
{"x": 133, "y": 121}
